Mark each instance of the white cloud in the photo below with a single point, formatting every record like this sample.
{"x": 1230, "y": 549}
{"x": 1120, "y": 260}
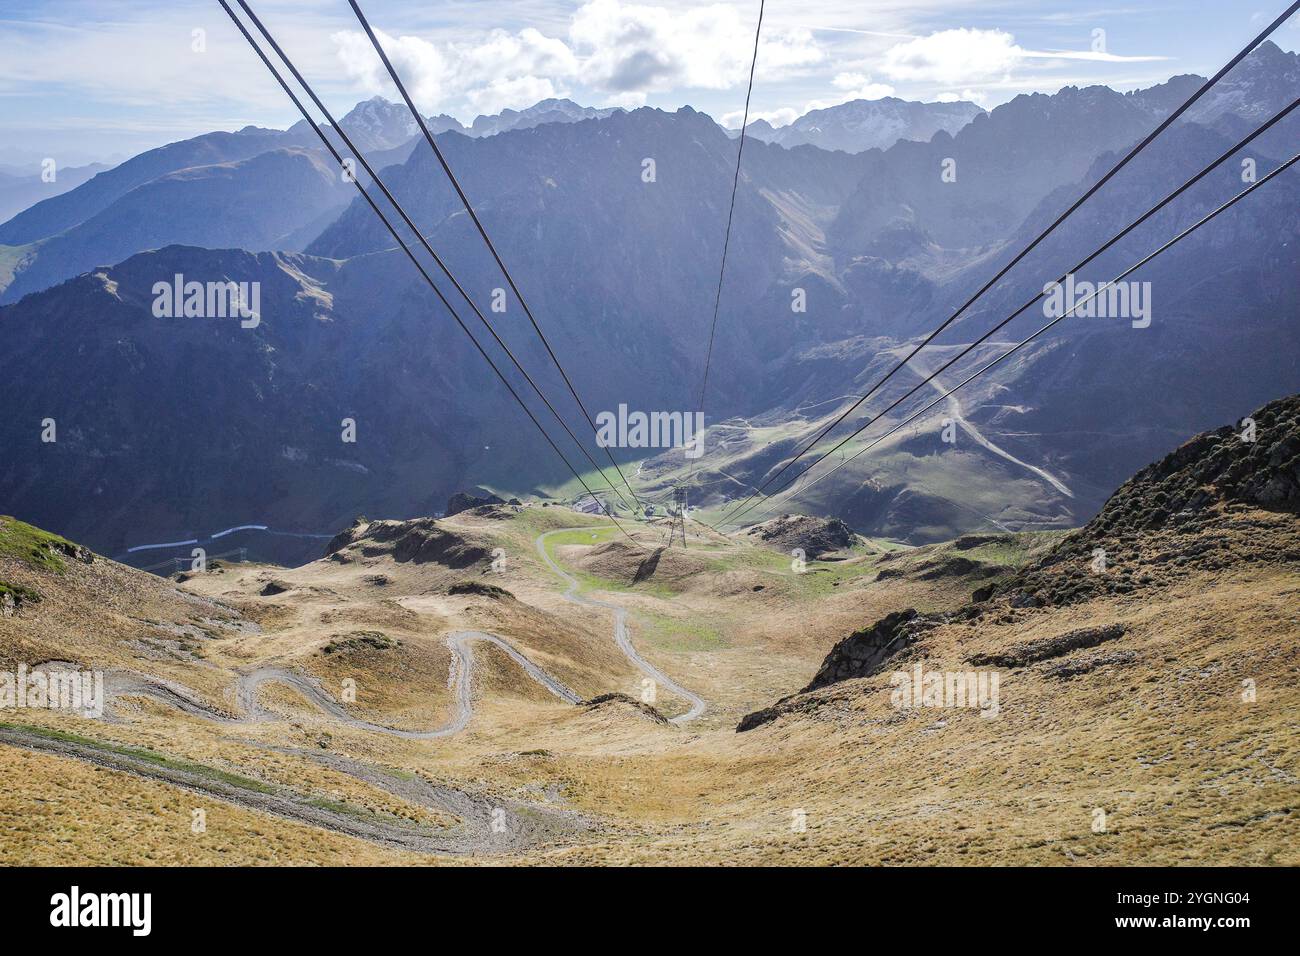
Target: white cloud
{"x": 962, "y": 56}
{"x": 965, "y": 96}
{"x": 421, "y": 64}
{"x": 62, "y": 80}
{"x": 865, "y": 90}
{"x": 517, "y": 93}
{"x": 501, "y": 70}
{"x": 953, "y": 56}
{"x": 628, "y": 47}
{"x": 623, "y": 50}
{"x": 847, "y": 81}
{"x": 528, "y": 52}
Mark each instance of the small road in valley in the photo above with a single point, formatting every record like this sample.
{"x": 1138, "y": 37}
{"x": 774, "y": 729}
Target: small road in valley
{"x": 621, "y": 636}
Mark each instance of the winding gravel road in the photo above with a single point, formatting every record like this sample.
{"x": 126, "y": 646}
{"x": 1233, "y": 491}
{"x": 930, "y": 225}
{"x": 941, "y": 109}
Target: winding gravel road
{"x": 486, "y": 824}
{"x": 621, "y": 636}
{"x": 121, "y": 683}
{"x": 459, "y": 679}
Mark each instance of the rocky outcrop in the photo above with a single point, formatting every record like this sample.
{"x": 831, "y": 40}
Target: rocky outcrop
{"x": 1224, "y": 499}
{"x": 13, "y": 597}
{"x": 360, "y": 641}
{"x": 1072, "y": 668}
{"x": 479, "y": 588}
{"x": 1246, "y": 464}
{"x": 615, "y": 700}
{"x": 464, "y": 501}
{"x": 347, "y": 536}
{"x": 958, "y": 567}
{"x": 815, "y": 536}
{"x": 418, "y": 541}
{"x": 861, "y": 653}
{"x": 1033, "y": 651}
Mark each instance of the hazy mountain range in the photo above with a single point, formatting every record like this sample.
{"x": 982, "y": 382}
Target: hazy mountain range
{"x": 168, "y": 427}
{"x": 860, "y": 125}
{"x": 25, "y": 185}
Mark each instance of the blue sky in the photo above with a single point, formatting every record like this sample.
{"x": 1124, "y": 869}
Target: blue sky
{"x": 86, "y": 80}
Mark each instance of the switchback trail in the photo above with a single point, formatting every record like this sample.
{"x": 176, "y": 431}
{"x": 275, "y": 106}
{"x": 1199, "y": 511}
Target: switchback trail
{"x": 485, "y": 824}
{"x": 123, "y": 683}
{"x": 621, "y": 636}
